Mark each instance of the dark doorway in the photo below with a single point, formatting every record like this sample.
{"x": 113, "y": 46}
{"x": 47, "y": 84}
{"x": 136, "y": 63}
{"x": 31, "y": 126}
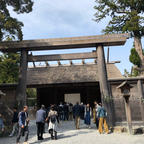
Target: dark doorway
{"x": 54, "y": 94}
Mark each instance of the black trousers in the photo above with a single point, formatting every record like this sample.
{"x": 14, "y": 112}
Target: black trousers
{"x": 40, "y": 129}
{"x": 22, "y": 132}
{"x": 97, "y": 123}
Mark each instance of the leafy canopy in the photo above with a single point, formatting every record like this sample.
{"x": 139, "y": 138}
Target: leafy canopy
{"x": 9, "y": 26}
{"x": 9, "y": 67}
{"x": 126, "y": 16}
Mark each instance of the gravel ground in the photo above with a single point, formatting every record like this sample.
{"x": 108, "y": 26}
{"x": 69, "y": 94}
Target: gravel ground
{"x": 67, "y": 134}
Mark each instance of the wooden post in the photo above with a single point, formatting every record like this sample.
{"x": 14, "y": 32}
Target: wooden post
{"x": 141, "y": 95}
{"x": 21, "y": 88}
{"x": 104, "y": 86}
{"x": 128, "y": 114}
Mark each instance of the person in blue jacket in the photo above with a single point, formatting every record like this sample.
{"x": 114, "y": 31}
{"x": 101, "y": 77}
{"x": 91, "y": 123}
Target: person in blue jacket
{"x": 23, "y": 122}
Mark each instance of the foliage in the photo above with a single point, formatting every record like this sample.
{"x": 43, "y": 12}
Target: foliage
{"x": 9, "y": 67}
{"x": 31, "y": 96}
{"x": 9, "y": 26}
{"x": 134, "y": 73}
{"x": 134, "y": 57}
{"x": 31, "y": 92}
{"x": 126, "y": 16}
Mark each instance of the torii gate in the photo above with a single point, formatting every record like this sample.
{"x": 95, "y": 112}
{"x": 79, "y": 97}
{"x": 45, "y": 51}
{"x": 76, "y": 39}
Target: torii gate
{"x": 98, "y": 41}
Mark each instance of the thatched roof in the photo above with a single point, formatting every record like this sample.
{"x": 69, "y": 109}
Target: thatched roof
{"x": 68, "y": 74}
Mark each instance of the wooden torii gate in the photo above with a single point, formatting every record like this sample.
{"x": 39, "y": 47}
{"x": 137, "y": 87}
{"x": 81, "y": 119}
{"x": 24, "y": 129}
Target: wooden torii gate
{"x": 98, "y": 41}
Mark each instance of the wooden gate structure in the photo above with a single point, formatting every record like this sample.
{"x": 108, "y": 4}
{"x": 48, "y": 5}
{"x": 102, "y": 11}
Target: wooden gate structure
{"x": 99, "y": 42}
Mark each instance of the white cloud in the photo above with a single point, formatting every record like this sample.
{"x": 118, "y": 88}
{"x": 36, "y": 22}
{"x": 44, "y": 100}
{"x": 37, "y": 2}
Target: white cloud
{"x": 65, "y": 18}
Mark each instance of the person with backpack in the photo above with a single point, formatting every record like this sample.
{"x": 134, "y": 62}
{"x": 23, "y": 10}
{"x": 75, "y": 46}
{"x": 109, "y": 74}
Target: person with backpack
{"x": 23, "y": 122}
{"x": 102, "y": 114}
{"x": 53, "y": 120}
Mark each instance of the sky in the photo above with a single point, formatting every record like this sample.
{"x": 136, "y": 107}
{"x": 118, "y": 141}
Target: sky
{"x": 69, "y": 18}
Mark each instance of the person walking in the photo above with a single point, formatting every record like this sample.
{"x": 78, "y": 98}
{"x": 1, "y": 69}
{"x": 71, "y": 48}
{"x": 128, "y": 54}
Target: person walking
{"x": 23, "y": 122}
{"x": 40, "y": 122}
{"x": 14, "y": 122}
{"x": 76, "y": 113}
{"x": 87, "y": 119}
{"x": 102, "y": 119}
{"x": 53, "y": 120}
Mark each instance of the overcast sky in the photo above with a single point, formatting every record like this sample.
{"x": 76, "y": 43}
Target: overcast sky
{"x": 67, "y": 18}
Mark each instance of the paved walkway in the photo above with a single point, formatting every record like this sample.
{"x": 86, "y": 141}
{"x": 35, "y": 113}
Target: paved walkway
{"x": 68, "y": 135}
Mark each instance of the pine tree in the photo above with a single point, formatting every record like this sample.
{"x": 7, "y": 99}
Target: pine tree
{"x": 9, "y": 26}
{"x": 125, "y": 16}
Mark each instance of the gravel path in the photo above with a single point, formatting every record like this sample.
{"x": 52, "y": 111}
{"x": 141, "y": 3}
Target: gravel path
{"x": 68, "y": 135}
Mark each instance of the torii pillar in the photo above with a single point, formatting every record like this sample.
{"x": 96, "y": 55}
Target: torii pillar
{"x": 21, "y": 88}
{"x": 104, "y": 85}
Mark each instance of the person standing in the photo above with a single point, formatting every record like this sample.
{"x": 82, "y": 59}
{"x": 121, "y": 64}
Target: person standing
{"x": 61, "y": 111}
{"x": 23, "y": 122}
{"x": 87, "y": 119}
{"x": 40, "y": 122}
{"x": 76, "y": 113}
{"x": 70, "y": 111}
{"x": 14, "y": 122}
{"x": 66, "y": 111}
{"x": 102, "y": 119}
{"x": 1, "y": 124}
{"x": 82, "y": 113}
{"x": 53, "y": 120}
{"x": 95, "y": 110}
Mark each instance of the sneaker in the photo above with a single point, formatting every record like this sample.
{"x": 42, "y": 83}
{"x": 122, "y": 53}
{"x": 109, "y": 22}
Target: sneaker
{"x": 10, "y": 135}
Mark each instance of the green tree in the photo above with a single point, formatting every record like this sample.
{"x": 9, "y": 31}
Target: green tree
{"x": 134, "y": 57}
{"x": 125, "y": 16}
{"x": 9, "y": 26}
{"x": 9, "y": 67}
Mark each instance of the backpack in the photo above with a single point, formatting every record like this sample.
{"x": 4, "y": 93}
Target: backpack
{"x": 53, "y": 118}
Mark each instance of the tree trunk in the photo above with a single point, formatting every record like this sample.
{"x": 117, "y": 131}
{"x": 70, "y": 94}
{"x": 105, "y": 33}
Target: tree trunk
{"x": 138, "y": 47}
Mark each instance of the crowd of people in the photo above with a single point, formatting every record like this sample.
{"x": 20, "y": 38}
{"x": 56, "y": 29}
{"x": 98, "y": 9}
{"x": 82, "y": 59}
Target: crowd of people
{"x": 53, "y": 115}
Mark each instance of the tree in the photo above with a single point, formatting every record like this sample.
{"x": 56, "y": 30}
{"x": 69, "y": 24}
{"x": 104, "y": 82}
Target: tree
{"x": 9, "y": 26}
{"x": 126, "y": 16}
{"x": 9, "y": 67}
{"x": 134, "y": 57}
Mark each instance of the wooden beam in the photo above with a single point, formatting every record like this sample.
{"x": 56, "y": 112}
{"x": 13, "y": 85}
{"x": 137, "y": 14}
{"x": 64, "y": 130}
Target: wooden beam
{"x": 113, "y": 62}
{"x": 58, "y": 57}
{"x": 65, "y": 43}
